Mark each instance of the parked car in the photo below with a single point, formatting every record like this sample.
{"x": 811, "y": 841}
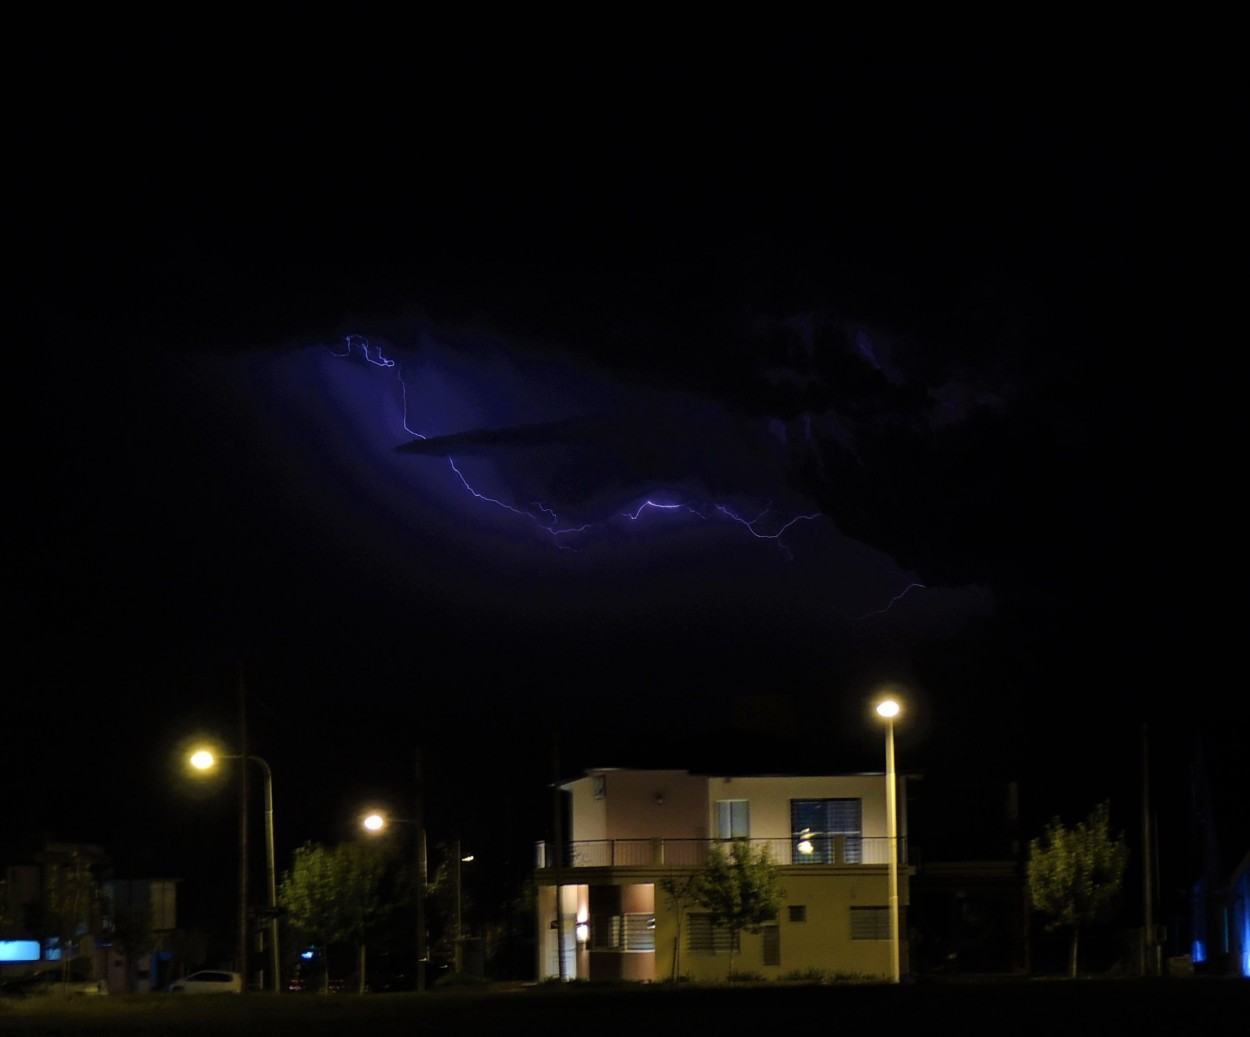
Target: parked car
{"x": 55, "y": 981}
{"x": 208, "y": 981}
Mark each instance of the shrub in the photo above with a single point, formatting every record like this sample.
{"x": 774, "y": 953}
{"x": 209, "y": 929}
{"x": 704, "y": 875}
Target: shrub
{"x": 812, "y": 975}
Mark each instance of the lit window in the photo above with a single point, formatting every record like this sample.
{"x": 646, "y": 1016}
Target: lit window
{"x": 733, "y": 819}
{"x": 631, "y": 932}
{"x": 827, "y": 831}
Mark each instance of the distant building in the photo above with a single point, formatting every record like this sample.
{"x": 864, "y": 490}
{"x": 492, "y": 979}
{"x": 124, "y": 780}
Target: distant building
{"x": 630, "y": 829}
{"x": 145, "y": 968}
{"x": 65, "y": 904}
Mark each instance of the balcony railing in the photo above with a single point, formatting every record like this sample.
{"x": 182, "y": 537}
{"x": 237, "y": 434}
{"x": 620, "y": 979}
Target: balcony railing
{"x": 692, "y": 853}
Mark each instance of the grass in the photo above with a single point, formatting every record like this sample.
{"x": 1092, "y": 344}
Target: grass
{"x": 1020, "y": 1007}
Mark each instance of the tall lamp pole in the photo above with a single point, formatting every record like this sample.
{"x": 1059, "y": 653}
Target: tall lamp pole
{"x": 422, "y": 876}
{"x": 889, "y": 709}
{"x": 204, "y": 760}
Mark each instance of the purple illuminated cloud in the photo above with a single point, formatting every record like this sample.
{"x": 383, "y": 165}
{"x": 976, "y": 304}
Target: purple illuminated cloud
{"x": 464, "y": 461}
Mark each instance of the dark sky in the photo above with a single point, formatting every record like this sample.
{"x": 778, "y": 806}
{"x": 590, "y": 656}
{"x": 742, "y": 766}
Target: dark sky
{"x": 465, "y": 389}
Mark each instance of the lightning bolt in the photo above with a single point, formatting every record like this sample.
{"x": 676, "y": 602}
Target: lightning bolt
{"x": 766, "y": 525}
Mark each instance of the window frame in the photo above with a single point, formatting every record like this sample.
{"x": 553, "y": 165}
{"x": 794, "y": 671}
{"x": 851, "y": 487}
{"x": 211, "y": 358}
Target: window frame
{"x": 737, "y": 812}
{"x": 835, "y": 817}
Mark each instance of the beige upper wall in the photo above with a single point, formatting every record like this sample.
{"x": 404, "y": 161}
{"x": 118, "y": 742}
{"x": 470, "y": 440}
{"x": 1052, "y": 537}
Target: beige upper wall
{"x": 640, "y": 805}
{"x": 672, "y": 804}
{"x": 769, "y": 799}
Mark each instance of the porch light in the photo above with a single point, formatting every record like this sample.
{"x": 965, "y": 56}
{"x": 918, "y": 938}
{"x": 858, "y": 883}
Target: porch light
{"x": 583, "y": 932}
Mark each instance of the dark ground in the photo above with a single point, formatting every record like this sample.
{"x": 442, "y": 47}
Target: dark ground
{"x": 1019, "y": 1007}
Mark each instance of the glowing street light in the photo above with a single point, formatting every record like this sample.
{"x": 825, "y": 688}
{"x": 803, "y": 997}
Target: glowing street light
{"x": 205, "y": 760}
{"x": 888, "y": 709}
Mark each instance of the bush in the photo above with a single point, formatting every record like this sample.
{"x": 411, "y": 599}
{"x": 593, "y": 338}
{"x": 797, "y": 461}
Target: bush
{"x": 815, "y": 976}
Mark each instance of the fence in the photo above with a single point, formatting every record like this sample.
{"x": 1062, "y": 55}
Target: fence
{"x": 788, "y": 850}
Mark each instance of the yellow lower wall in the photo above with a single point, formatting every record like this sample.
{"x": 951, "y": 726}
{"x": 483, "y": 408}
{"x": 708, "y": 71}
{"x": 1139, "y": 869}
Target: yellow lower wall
{"x": 822, "y": 943}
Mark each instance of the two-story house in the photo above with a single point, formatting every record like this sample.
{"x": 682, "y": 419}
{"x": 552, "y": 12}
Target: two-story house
{"x": 602, "y": 906}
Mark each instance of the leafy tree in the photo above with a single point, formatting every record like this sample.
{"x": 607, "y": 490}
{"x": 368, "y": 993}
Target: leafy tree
{"x": 337, "y": 895}
{"x": 1075, "y": 873}
{"x": 740, "y": 889}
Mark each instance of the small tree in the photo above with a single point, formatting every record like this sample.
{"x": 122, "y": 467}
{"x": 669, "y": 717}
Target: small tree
{"x": 334, "y": 895}
{"x": 66, "y": 908}
{"x": 1075, "y": 873}
{"x": 740, "y": 889}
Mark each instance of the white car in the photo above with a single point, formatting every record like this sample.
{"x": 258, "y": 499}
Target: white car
{"x": 208, "y": 981}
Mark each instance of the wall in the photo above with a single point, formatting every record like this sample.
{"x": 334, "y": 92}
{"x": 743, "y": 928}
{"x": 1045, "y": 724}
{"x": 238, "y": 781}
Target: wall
{"x": 770, "y": 800}
{"x": 640, "y": 805}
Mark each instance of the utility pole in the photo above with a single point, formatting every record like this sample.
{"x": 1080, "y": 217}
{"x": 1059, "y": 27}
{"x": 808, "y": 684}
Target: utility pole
{"x": 558, "y": 862}
{"x": 1149, "y": 950}
{"x": 421, "y": 876}
{"x": 243, "y": 926}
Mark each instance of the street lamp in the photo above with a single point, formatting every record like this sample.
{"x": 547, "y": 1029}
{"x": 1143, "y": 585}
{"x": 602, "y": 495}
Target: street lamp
{"x": 374, "y": 823}
{"x": 889, "y": 709}
{"x": 203, "y": 760}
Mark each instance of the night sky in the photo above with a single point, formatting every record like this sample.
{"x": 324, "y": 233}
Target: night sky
{"x": 668, "y": 394}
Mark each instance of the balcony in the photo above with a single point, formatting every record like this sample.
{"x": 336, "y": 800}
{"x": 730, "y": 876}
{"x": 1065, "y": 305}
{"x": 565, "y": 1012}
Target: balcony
{"x": 693, "y": 853}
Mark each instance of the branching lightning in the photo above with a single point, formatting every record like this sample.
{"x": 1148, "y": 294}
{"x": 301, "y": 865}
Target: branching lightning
{"x": 767, "y": 524}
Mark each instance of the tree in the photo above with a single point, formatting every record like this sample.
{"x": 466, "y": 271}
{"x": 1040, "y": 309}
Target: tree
{"x": 336, "y": 895}
{"x": 680, "y": 891}
{"x": 740, "y": 889}
{"x": 66, "y": 909}
{"x": 1075, "y": 873}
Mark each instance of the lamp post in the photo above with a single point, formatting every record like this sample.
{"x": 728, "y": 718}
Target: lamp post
{"x": 889, "y": 709}
{"x": 204, "y": 760}
{"x": 375, "y": 823}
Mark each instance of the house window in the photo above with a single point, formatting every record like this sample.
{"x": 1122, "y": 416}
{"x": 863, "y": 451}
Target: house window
{"x": 771, "y": 934}
{"x": 705, "y": 937}
{"x": 826, "y": 831}
{"x": 632, "y": 932}
{"x": 872, "y": 923}
{"x": 798, "y": 912}
{"x": 639, "y": 931}
{"x": 733, "y": 819}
